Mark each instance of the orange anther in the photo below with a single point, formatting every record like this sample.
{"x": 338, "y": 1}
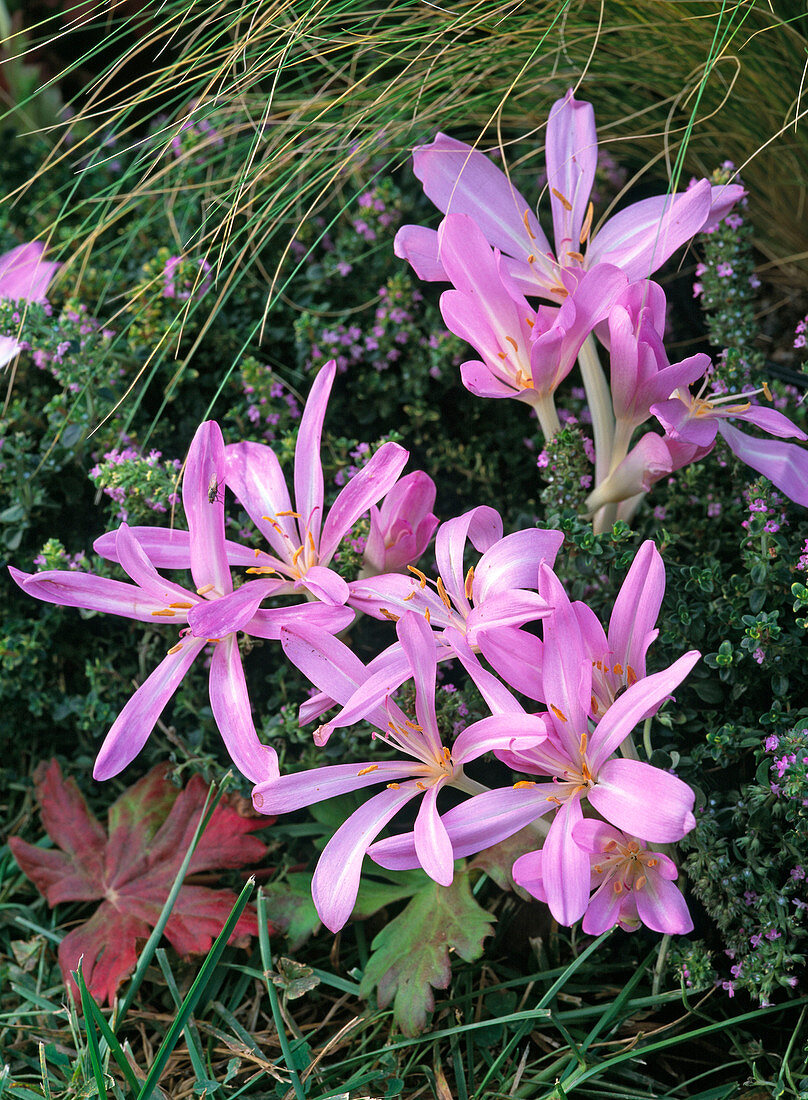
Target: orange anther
{"x": 559, "y": 714}
{"x": 175, "y": 648}
{"x": 370, "y": 768}
{"x": 523, "y": 783}
{"x": 530, "y": 232}
{"x": 565, "y": 202}
{"x": 205, "y": 589}
{"x": 442, "y": 593}
{"x": 585, "y": 228}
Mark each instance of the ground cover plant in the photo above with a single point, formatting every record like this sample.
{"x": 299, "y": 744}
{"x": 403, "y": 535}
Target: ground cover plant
{"x": 404, "y": 510}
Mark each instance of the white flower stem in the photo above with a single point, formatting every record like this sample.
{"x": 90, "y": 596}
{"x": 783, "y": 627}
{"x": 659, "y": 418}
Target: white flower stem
{"x": 599, "y": 399}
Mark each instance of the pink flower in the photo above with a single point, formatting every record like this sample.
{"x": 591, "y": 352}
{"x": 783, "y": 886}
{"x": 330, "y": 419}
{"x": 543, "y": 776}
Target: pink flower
{"x": 24, "y": 276}
{"x": 401, "y": 529}
{"x": 633, "y": 796}
{"x": 153, "y": 599}
{"x": 638, "y": 239}
{"x": 693, "y": 422}
{"x": 431, "y": 766}
{"x": 302, "y": 542}
{"x": 631, "y": 884}
{"x": 526, "y": 353}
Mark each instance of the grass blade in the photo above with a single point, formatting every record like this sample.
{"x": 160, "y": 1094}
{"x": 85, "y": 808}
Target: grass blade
{"x": 194, "y": 993}
{"x": 92, "y": 1038}
{"x": 277, "y": 1016}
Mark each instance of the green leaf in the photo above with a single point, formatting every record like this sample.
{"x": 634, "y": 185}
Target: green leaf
{"x": 411, "y": 954}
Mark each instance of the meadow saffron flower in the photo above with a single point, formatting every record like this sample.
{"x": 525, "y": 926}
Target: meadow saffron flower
{"x": 401, "y": 529}
{"x": 638, "y": 239}
{"x": 579, "y": 760}
{"x": 631, "y": 884}
{"x": 431, "y": 765}
{"x": 152, "y": 598}
{"x": 526, "y": 353}
{"x": 302, "y": 541}
{"x": 694, "y": 421}
{"x": 24, "y": 276}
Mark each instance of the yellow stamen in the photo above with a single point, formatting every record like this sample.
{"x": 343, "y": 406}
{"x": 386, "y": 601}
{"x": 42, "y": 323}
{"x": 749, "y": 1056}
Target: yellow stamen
{"x": 531, "y": 259}
{"x": 565, "y": 202}
{"x": 523, "y": 783}
{"x": 576, "y": 256}
{"x": 295, "y": 515}
{"x": 183, "y": 606}
{"x": 512, "y": 342}
{"x": 640, "y": 882}
{"x": 530, "y": 232}
{"x": 631, "y": 676}
{"x": 559, "y": 714}
{"x": 653, "y": 862}
{"x": 767, "y": 393}
{"x": 469, "y": 582}
{"x": 502, "y": 355}
{"x": 165, "y": 611}
{"x": 296, "y": 555}
{"x": 530, "y": 321}
{"x": 175, "y": 648}
{"x": 411, "y": 596}
{"x": 442, "y": 593}
{"x": 258, "y": 801}
{"x": 205, "y": 589}
{"x": 389, "y": 615}
{"x": 393, "y": 786}
{"x": 618, "y": 886}
{"x": 618, "y": 668}
{"x": 420, "y": 786}
{"x": 312, "y": 547}
{"x": 421, "y": 576}
{"x": 259, "y": 569}
{"x": 585, "y": 228}
{"x": 554, "y": 799}
{"x": 426, "y": 614}
{"x": 369, "y": 769}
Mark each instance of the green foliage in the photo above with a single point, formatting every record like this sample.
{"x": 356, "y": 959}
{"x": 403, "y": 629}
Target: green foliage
{"x": 411, "y": 954}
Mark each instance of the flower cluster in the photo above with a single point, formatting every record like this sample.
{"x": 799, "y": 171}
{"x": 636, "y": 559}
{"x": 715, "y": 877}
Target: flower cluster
{"x": 576, "y": 751}
{"x": 492, "y": 249}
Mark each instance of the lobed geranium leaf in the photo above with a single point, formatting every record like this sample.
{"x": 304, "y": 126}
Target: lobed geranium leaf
{"x": 411, "y": 954}
{"x": 132, "y": 869}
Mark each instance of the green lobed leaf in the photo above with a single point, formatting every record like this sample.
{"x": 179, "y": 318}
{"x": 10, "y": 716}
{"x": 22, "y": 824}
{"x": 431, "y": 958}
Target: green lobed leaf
{"x": 411, "y": 954}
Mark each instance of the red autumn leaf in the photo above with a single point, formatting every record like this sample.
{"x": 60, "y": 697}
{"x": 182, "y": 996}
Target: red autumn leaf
{"x": 132, "y": 866}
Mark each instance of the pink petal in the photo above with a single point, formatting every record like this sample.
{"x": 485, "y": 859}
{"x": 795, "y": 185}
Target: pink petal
{"x": 566, "y": 668}
{"x": 297, "y": 789}
{"x": 204, "y": 471}
{"x": 365, "y": 488}
{"x": 231, "y": 710}
{"x": 228, "y": 614}
{"x": 418, "y": 643}
{"x": 604, "y": 907}
{"x": 432, "y": 844}
{"x": 475, "y": 824}
{"x": 527, "y": 873}
{"x": 640, "y": 238}
{"x": 134, "y": 561}
{"x": 269, "y": 623}
{"x": 9, "y": 347}
{"x": 513, "y": 561}
{"x": 661, "y": 907}
{"x": 169, "y": 547}
{"x": 419, "y": 247}
{"x": 24, "y": 275}
{"x": 784, "y": 464}
{"x": 482, "y": 526}
{"x": 499, "y": 731}
{"x": 643, "y": 800}
{"x": 633, "y": 620}
{"x": 565, "y": 866}
{"x": 461, "y": 180}
{"x": 73, "y": 589}
{"x": 482, "y": 382}
{"x": 516, "y": 656}
{"x": 625, "y": 712}
{"x": 572, "y": 154}
{"x": 308, "y": 468}
{"x": 325, "y": 584}
{"x": 336, "y": 880}
{"x": 255, "y": 477}
{"x": 132, "y": 727}
{"x": 506, "y": 609}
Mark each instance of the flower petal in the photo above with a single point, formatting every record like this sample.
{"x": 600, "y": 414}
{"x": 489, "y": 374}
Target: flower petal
{"x": 132, "y": 727}
{"x": 336, "y": 880}
{"x": 308, "y": 468}
{"x": 365, "y": 488}
{"x": 204, "y": 509}
{"x": 74, "y": 589}
{"x": 572, "y": 155}
{"x": 643, "y": 800}
{"x": 784, "y": 464}
{"x": 231, "y": 709}
{"x": 432, "y": 844}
